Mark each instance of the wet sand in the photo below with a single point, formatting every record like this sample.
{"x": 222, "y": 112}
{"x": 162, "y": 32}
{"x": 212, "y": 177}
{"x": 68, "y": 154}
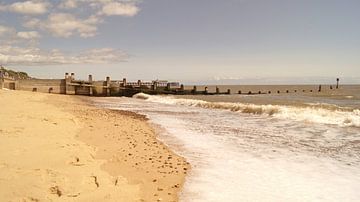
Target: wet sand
{"x": 56, "y": 147}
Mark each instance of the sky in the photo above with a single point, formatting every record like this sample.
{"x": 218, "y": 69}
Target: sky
{"x": 194, "y": 41}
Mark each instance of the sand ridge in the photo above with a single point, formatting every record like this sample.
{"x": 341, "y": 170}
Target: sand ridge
{"x": 57, "y": 148}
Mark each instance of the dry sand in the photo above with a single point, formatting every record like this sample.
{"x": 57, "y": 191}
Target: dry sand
{"x": 58, "y": 148}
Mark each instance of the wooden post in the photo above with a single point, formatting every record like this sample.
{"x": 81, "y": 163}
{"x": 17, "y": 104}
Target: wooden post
{"x": 90, "y": 87}
{"x": 108, "y": 86}
{"x": 319, "y": 88}
{"x": 124, "y": 82}
{"x": 269, "y": 92}
{"x": 154, "y": 85}
{"x": 182, "y": 87}
{"x": 217, "y": 90}
{"x": 331, "y": 87}
{"x": 239, "y": 92}
{"x": 278, "y": 91}
{"x": 249, "y": 92}
{"x": 206, "y": 90}
{"x": 229, "y": 91}
{"x": 194, "y": 89}
{"x": 337, "y": 83}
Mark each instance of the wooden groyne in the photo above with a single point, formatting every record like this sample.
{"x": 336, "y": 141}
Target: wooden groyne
{"x": 72, "y": 86}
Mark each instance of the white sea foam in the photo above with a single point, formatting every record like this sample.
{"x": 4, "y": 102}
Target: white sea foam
{"x": 244, "y": 157}
{"x": 315, "y": 113}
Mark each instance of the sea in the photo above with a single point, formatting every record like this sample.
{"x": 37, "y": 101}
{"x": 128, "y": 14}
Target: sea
{"x": 296, "y": 145}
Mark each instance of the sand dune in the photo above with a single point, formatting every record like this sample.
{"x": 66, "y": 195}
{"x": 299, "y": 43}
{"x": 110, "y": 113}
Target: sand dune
{"x": 57, "y": 148}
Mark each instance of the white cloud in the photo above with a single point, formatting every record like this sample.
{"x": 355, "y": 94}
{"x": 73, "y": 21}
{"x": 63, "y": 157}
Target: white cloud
{"x": 119, "y": 8}
{"x": 10, "y": 55}
{"x": 28, "y": 35}
{"x": 5, "y": 30}
{"x": 32, "y": 23}
{"x": 27, "y": 7}
{"x": 68, "y": 4}
{"x": 66, "y": 25}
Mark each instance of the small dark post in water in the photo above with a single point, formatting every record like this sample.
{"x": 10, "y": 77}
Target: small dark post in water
{"x": 194, "y": 89}
{"x": 269, "y": 92}
{"x": 107, "y": 86}
{"x": 124, "y": 82}
{"x": 217, "y": 90}
{"x": 311, "y": 91}
{"x": 319, "y": 88}
{"x": 206, "y": 90}
{"x": 168, "y": 86}
{"x": 337, "y": 83}
{"x": 239, "y": 92}
{"x": 330, "y": 87}
{"x": 304, "y": 91}
{"x": 182, "y": 87}
{"x": 228, "y": 91}
{"x": 287, "y": 91}
{"x": 249, "y": 92}
{"x": 154, "y": 85}
{"x": 278, "y": 91}
{"x": 259, "y": 92}
{"x": 295, "y": 91}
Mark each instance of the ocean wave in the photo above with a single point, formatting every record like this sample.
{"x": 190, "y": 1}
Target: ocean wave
{"x": 315, "y": 113}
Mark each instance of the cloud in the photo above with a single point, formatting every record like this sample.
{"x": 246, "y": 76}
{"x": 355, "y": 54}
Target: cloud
{"x": 10, "y": 55}
{"x": 5, "y": 30}
{"x": 65, "y": 25}
{"x": 68, "y": 4}
{"x": 27, "y": 7}
{"x": 119, "y": 8}
{"x": 29, "y": 35}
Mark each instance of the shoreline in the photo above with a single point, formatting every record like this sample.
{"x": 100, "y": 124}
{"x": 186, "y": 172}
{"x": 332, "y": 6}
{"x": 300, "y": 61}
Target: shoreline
{"x": 65, "y": 149}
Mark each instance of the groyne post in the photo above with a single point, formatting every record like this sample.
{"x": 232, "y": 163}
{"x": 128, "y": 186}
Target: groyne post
{"x": 319, "y": 88}
{"x": 108, "y": 86}
{"x": 139, "y": 83}
{"x": 337, "y": 83}
{"x": 182, "y": 87}
{"x": 124, "y": 82}
{"x": 154, "y": 85}
{"x": 206, "y": 90}
{"x": 194, "y": 89}
{"x": 239, "y": 92}
{"x": 90, "y": 87}
{"x": 69, "y": 89}
{"x": 217, "y": 90}
{"x": 229, "y": 91}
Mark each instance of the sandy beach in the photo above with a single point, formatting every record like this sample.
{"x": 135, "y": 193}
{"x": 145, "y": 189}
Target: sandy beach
{"x": 59, "y": 148}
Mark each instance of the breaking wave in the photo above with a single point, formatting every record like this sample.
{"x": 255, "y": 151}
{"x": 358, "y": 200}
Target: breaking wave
{"x": 315, "y": 113}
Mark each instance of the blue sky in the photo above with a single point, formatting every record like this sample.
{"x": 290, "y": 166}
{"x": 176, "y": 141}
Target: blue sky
{"x": 188, "y": 40}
